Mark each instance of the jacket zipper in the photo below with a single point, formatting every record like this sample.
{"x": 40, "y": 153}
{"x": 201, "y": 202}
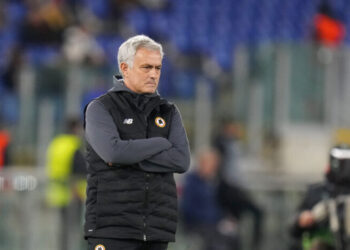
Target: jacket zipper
{"x": 146, "y": 192}
{"x": 145, "y": 206}
{"x": 146, "y": 120}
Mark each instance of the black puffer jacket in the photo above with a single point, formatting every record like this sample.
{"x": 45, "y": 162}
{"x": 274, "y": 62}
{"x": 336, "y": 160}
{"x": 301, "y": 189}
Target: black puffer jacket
{"x": 124, "y": 201}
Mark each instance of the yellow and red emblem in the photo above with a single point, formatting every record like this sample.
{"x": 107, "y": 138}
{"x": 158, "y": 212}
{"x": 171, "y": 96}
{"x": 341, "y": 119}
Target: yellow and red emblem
{"x": 160, "y": 122}
{"x": 100, "y": 247}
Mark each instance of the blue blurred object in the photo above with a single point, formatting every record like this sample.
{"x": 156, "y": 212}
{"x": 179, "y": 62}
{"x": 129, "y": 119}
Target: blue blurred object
{"x": 39, "y": 55}
{"x": 184, "y": 83}
{"x": 16, "y": 12}
{"x": 110, "y": 45}
{"x": 9, "y": 106}
{"x": 139, "y": 20}
{"x": 159, "y": 23}
{"x": 91, "y": 95}
{"x": 100, "y": 8}
{"x": 7, "y": 40}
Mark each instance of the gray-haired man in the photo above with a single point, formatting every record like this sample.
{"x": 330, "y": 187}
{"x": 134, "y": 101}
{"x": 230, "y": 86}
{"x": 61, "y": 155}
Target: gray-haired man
{"x": 135, "y": 142}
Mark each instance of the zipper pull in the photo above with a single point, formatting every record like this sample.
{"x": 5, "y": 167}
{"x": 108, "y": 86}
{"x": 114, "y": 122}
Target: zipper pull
{"x": 144, "y": 237}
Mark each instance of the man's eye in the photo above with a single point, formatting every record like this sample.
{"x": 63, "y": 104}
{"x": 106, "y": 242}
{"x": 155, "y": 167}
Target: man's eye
{"x": 147, "y": 67}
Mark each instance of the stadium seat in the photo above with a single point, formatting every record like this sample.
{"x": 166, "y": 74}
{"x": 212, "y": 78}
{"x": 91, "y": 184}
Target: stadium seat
{"x": 40, "y": 55}
{"x": 110, "y": 45}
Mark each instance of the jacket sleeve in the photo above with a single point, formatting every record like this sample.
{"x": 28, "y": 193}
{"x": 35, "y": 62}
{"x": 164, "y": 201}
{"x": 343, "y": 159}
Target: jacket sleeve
{"x": 313, "y": 195}
{"x": 177, "y": 157}
{"x": 102, "y": 134}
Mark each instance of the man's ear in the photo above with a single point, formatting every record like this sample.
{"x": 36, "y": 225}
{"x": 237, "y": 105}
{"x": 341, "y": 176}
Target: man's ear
{"x": 124, "y": 68}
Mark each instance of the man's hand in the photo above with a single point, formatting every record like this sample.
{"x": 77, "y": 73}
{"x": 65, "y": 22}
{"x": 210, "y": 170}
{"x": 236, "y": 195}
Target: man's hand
{"x": 306, "y": 219}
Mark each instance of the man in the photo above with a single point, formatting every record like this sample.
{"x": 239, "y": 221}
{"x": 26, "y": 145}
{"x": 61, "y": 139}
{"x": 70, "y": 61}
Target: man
{"x": 232, "y": 194}
{"x": 305, "y": 231}
{"x": 135, "y": 142}
{"x": 66, "y": 171}
{"x": 202, "y": 211}
{"x": 320, "y": 223}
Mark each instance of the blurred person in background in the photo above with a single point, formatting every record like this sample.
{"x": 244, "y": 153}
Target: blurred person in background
{"x": 203, "y": 213}
{"x": 322, "y": 218}
{"x": 231, "y": 191}
{"x": 44, "y": 23}
{"x": 80, "y": 46}
{"x": 328, "y": 29}
{"x": 135, "y": 143}
{"x": 9, "y": 106}
{"x": 66, "y": 171}
{"x": 305, "y": 231}
{"x": 227, "y": 143}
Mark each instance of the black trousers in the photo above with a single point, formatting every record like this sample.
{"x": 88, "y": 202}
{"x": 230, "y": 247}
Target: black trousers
{"x": 120, "y": 244}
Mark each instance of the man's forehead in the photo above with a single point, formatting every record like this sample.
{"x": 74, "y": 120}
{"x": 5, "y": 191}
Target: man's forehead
{"x": 147, "y": 52}
{"x": 139, "y": 49}
{"x": 147, "y": 56}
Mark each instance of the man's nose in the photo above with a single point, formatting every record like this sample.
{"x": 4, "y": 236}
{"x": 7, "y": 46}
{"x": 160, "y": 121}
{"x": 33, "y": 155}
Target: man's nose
{"x": 154, "y": 73}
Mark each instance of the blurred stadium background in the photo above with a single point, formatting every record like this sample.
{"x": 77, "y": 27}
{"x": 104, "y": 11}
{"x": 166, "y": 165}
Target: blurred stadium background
{"x": 258, "y": 61}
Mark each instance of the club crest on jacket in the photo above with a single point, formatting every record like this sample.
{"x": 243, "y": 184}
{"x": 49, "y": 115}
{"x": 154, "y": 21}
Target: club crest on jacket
{"x": 160, "y": 122}
{"x": 100, "y": 247}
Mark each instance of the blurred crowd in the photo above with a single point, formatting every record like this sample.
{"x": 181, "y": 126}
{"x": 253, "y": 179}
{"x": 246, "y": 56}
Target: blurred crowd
{"x": 50, "y": 32}
{"x": 47, "y": 35}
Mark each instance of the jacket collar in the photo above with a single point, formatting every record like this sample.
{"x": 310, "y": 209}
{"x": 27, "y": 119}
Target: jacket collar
{"x": 119, "y": 86}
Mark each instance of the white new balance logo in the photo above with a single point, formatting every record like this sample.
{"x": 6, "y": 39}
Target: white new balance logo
{"x": 128, "y": 121}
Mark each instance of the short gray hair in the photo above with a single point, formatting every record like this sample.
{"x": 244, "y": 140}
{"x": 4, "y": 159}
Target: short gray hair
{"x": 127, "y": 50}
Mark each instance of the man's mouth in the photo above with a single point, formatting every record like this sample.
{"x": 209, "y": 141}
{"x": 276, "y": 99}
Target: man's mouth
{"x": 151, "y": 83}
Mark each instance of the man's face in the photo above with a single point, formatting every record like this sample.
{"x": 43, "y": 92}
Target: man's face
{"x": 143, "y": 76}
{"x": 208, "y": 164}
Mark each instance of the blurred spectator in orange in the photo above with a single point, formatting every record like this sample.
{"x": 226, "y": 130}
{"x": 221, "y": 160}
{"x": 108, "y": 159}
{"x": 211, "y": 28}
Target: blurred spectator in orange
{"x": 202, "y": 213}
{"x": 4, "y": 146}
{"x": 329, "y": 31}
